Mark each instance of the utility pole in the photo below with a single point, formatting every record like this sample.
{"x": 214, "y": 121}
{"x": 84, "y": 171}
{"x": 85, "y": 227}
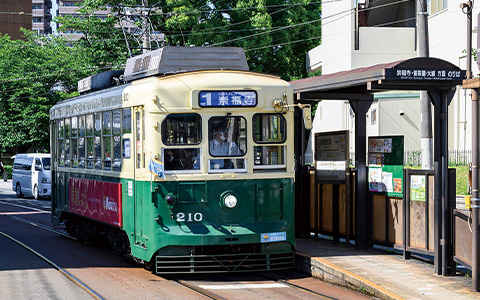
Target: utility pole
{"x": 145, "y": 28}
{"x": 467, "y": 8}
{"x": 425, "y": 103}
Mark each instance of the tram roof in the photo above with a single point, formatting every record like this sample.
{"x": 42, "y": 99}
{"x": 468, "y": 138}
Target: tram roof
{"x": 421, "y": 73}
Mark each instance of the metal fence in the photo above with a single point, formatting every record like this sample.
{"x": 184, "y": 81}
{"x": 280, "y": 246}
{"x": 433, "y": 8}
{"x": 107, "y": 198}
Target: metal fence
{"x": 414, "y": 158}
{"x": 455, "y": 157}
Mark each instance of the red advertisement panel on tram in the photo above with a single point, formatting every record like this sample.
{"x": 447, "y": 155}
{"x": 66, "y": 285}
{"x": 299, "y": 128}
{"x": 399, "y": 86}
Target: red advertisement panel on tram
{"x": 99, "y": 200}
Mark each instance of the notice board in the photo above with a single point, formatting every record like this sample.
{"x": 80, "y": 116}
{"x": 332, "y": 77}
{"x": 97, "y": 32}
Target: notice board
{"x": 331, "y": 156}
{"x": 385, "y": 161}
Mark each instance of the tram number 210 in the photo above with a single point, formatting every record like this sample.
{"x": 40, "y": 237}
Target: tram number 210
{"x": 190, "y": 217}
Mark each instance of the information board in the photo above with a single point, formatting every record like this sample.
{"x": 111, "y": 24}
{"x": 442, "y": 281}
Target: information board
{"x": 385, "y": 160}
{"x": 331, "y": 156}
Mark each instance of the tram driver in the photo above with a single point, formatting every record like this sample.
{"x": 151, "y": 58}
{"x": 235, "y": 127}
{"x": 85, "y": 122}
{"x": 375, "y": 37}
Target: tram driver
{"x": 221, "y": 145}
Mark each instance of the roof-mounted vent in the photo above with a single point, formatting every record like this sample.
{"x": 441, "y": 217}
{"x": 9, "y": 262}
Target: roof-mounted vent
{"x": 175, "y": 59}
{"x": 99, "y": 81}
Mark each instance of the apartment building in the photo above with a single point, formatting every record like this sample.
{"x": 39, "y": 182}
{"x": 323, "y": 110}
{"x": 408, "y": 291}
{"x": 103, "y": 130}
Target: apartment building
{"x": 15, "y": 14}
{"x": 70, "y": 8}
{"x": 42, "y": 16}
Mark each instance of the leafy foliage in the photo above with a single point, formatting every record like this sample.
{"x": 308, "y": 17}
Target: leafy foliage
{"x": 36, "y": 73}
{"x": 275, "y": 34}
{"x": 40, "y": 71}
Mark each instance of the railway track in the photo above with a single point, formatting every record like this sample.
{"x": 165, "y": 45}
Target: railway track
{"x": 65, "y": 273}
{"x": 210, "y": 291}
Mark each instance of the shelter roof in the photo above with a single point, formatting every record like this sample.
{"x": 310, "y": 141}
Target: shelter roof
{"x": 421, "y": 73}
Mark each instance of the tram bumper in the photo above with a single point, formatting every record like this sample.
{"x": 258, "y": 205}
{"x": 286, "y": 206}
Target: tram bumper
{"x": 225, "y": 258}
{"x": 227, "y": 249}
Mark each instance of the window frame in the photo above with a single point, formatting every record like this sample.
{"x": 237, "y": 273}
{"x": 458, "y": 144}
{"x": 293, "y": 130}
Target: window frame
{"x": 163, "y": 129}
{"x": 269, "y": 142}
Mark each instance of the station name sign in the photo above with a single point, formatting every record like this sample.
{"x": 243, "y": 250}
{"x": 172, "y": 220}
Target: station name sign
{"x": 425, "y": 74}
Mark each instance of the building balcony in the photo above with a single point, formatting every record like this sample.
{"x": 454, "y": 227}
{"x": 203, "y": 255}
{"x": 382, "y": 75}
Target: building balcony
{"x": 67, "y": 10}
{"x": 38, "y": 26}
{"x": 38, "y": 12}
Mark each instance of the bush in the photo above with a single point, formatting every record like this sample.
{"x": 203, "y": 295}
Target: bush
{"x": 9, "y": 170}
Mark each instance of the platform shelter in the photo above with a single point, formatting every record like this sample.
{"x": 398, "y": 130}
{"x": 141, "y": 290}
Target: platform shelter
{"x": 439, "y": 78}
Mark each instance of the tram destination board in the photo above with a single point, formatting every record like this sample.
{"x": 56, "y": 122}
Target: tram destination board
{"x": 331, "y": 156}
{"x": 228, "y": 99}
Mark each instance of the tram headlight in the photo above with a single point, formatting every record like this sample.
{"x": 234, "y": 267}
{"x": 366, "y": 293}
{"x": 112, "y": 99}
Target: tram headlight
{"x": 230, "y": 201}
{"x": 170, "y": 199}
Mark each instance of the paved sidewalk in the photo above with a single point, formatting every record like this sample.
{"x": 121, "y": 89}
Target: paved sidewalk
{"x": 6, "y": 185}
{"x": 384, "y": 275}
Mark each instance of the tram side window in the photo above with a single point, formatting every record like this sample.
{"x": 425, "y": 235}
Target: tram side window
{"x": 116, "y": 140}
{"x": 61, "y": 137}
{"x": 98, "y": 141}
{"x": 269, "y": 129}
{"x": 127, "y": 129}
{"x": 74, "y": 142}
{"x": 66, "y": 142}
{"x": 89, "y": 136}
{"x": 107, "y": 140}
{"x": 81, "y": 141}
{"x": 227, "y": 138}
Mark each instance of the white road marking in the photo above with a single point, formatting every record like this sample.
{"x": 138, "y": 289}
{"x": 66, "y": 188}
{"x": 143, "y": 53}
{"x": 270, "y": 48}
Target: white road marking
{"x": 244, "y": 286}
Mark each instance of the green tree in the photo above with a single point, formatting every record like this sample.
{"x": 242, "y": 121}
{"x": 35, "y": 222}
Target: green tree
{"x": 35, "y": 73}
{"x": 275, "y": 34}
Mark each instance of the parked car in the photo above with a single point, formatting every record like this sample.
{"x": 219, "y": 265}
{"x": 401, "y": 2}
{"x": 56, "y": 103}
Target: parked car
{"x": 31, "y": 175}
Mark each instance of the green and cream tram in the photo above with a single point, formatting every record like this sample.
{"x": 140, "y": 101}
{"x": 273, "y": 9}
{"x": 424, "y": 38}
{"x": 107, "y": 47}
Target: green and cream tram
{"x": 187, "y": 166}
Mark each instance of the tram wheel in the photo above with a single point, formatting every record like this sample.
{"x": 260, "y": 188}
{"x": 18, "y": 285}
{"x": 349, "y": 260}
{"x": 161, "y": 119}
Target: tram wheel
{"x": 149, "y": 265}
{"x": 18, "y": 190}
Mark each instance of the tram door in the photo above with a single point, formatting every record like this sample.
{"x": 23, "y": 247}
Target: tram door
{"x": 140, "y": 183}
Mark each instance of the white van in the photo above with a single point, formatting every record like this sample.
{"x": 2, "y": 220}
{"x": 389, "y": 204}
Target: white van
{"x": 31, "y": 175}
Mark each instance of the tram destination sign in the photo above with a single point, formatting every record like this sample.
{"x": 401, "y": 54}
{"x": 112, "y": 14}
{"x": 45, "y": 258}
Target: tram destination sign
{"x": 228, "y": 99}
{"x": 425, "y": 74}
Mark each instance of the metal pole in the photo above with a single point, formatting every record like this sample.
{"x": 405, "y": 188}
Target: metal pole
{"x": 425, "y": 104}
{"x": 445, "y": 211}
{"x": 437, "y": 203}
{"x": 146, "y": 35}
{"x": 475, "y": 194}
{"x": 475, "y": 162}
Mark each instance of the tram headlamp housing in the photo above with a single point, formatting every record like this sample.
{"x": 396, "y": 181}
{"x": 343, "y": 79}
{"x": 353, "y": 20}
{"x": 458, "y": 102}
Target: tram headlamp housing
{"x": 170, "y": 199}
{"x": 230, "y": 201}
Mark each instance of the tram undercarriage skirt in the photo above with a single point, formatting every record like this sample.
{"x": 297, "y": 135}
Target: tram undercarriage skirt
{"x": 245, "y": 262}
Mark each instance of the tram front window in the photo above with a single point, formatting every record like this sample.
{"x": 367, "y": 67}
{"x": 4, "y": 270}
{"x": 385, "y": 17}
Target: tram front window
{"x": 181, "y": 130}
{"x": 181, "y": 159}
{"x": 227, "y": 138}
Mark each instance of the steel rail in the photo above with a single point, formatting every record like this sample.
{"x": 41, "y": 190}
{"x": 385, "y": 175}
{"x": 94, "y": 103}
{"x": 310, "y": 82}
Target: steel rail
{"x": 65, "y": 273}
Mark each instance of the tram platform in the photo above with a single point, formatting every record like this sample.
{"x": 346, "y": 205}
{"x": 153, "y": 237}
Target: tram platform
{"x": 378, "y": 273}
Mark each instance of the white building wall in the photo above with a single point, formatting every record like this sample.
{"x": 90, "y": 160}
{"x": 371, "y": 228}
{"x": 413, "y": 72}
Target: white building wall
{"x": 448, "y": 38}
{"x": 334, "y": 54}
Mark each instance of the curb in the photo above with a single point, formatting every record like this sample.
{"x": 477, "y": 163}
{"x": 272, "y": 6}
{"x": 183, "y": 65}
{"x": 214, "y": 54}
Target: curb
{"x": 323, "y": 270}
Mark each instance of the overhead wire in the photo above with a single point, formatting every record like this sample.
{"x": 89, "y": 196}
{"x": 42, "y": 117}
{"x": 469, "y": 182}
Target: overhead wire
{"x": 287, "y": 27}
